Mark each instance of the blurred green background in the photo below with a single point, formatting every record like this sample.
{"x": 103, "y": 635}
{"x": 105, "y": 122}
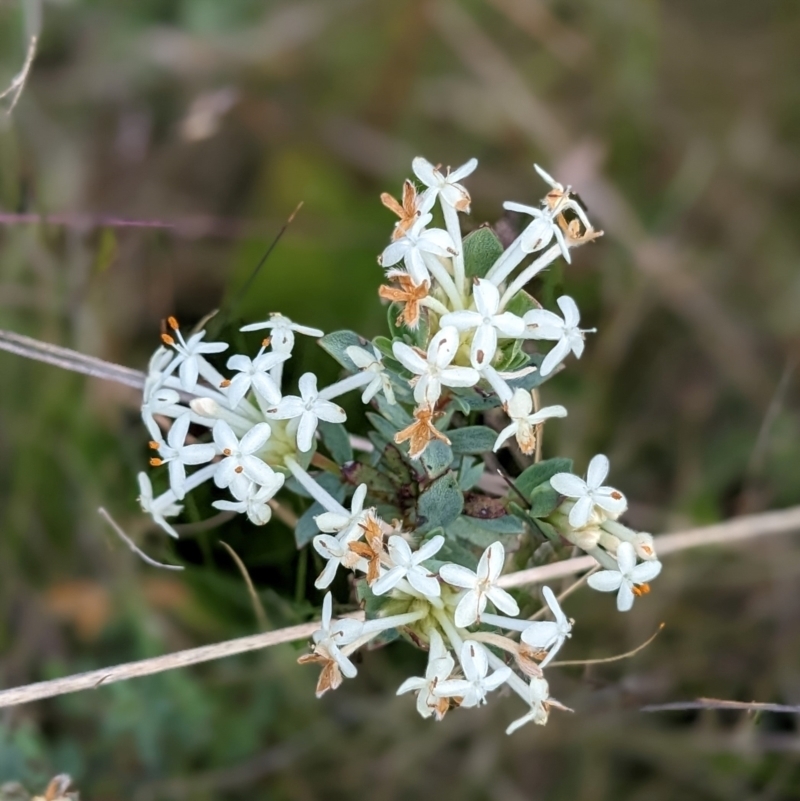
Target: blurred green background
{"x": 678, "y": 123}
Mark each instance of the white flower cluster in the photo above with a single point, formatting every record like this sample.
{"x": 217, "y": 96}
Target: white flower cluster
{"x": 462, "y": 330}
{"x": 446, "y": 612}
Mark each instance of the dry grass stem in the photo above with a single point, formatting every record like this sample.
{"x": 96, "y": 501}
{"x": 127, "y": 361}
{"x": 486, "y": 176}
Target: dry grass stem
{"x": 617, "y": 658}
{"x": 258, "y": 607}
{"x": 14, "y": 90}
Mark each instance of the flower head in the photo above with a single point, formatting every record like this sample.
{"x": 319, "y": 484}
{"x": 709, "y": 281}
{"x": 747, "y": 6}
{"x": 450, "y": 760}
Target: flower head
{"x": 177, "y": 454}
{"x": 407, "y": 564}
{"x": 190, "y": 353}
{"x": 541, "y": 703}
{"x": 239, "y": 464}
{"x": 254, "y": 373}
{"x": 421, "y": 432}
{"x": 434, "y": 369}
{"x": 487, "y": 321}
{"x": 418, "y": 244}
{"x": 524, "y": 421}
{"x": 590, "y": 494}
{"x": 445, "y": 185}
{"x": 480, "y": 585}
{"x": 412, "y": 206}
{"x": 477, "y": 681}
{"x": 283, "y": 331}
{"x": 440, "y": 666}
{"x": 546, "y": 635}
{"x": 158, "y": 508}
{"x": 372, "y": 363}
{"x": 255, "y": 501}
{"x": 409, "y": 295}
{"x": 629, "y": 579}
{"x": 309, "y": 408}
{"x": 543, "y": 324}
{"x": 344, "y": 526}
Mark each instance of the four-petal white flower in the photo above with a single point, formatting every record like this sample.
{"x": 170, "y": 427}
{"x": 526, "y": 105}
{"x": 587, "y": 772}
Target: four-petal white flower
{"x": 254, "y": 373}
{"x": 538, "y": 234}
{"x": 440, "y": 666}
{"x": 480, "y": 585}
{"x": 332, "y": 636}
{"x": 177, "y": 454}
{"x": 540, "y": 701}
{"x": 336, "y": 550}
{"x": 255, "y": 502}
{"x": 590, "y": 493}
{"x": 158, "y": 508}
{"x": 418, "y": 244}
{"x": 309, "y": 408}
{"x": 627, "y": 579}
{"x": 548, "y": 635}
{"x": 239, "y": 464}
{"x": 344, "y": 526}
{"x": 543, "y": 324}
{"x": 283, "y": 331}
{"x": 487, "y": 321}
{"x": 190, "y": 356}
{"x": 434, "y": 369}
{"x": 372, "y": 363}
{"x": 472, "y": 689}
{"x": 524, "y": 421}
{"x": 444, "y": 185}
{"x": 407, "y": 564}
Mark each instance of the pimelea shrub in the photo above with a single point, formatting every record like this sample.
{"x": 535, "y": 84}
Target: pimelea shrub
{"x": 427, "y": 546}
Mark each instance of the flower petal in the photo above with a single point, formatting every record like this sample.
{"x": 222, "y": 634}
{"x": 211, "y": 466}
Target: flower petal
{"x": 569, "y": 485}
{"x": 597, "y": 472}
{"x": 605, "y": 580}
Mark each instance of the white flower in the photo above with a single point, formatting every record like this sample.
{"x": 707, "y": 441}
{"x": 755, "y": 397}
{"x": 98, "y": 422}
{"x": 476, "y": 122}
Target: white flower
{"x": 158, "y": 508}
{"x": 160, "y": 401}
{"x": 590, "y": 493}
{"x": 524, "y": 420}
{"x": 254, "y": 373}
{"x": 337, "y": 552}
{"x": 240, "y": 463}
{"x": 190, "y": 355}
{"x": 440, "y": 666}
{"x": 434, "y": 370}
{"x": 310, "y": 409}
{"x": 487, "y": 322}
{"x": 537, "y": 235}
{"x": 177, "y": 454}
{"x": 346, "y": 527}
{"x": 372, "y": 363}
{"x": 415, "y": 245}
{"x": 476, "y": 683}
{"x": 445, "y": 185}
{"x": 255, "y": 502}
{"x": 546, "y": 635}
{"x": 540, "y": 701}
{"x": 543, "y": 324}
{"x": 283, "y": 331}
{"x": 480, "y": 585}
{"x": 627, "y": 579}
{"x": 408, "y": 565}
{"x": 331, "y": 637}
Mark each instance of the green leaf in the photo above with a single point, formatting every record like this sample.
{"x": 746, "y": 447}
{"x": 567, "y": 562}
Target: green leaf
{"x": 451, "y": 551}
{"x": 521, "y": 302}
{"x": 440, "y": 504}
{"x": 382, "y": 426}
{"x": 469, "y": 473}
{"x": 482, "y": 249}
{"x": 541, "y": 473}
{"x": 544, "y": 500}
{"x": 472, "y": 440}
{"x": 336, "y": 439}
{"x": 383, "y": 344}
{"x": 547, "y": 531}
{"x": 482, "y": 533}
{"x": 336, "y": 344}
{"x": 436, "y": 459}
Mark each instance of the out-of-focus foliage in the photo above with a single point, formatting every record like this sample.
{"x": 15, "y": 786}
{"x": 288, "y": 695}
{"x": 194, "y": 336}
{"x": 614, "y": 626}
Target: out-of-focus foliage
{"x": 678, "y": 125}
